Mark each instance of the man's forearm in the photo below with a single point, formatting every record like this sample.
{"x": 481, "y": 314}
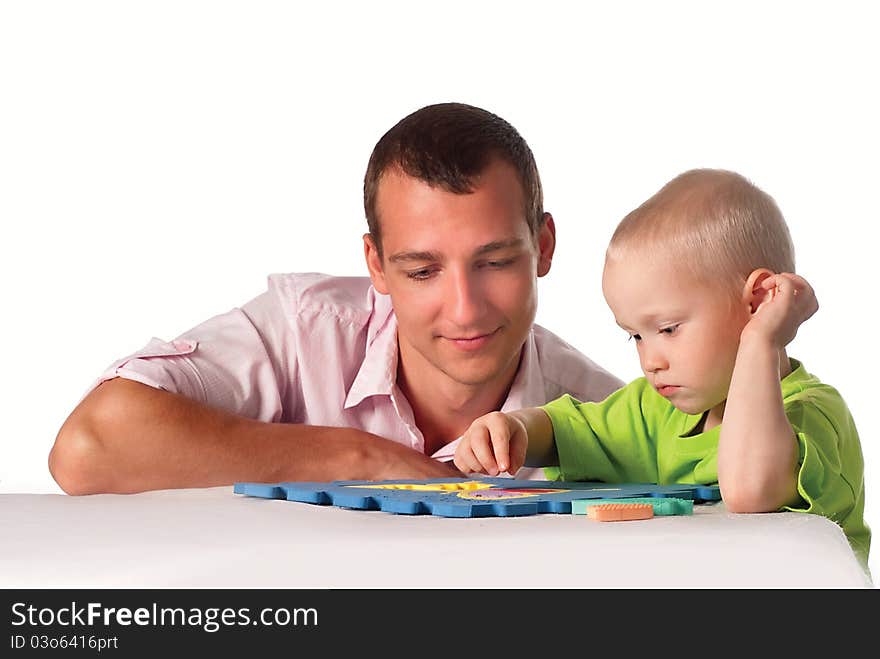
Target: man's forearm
{"x": 128, "y": 437}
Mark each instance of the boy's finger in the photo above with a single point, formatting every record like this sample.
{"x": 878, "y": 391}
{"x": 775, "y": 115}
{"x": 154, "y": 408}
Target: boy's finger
{"x": 481, "y": 445}
{"x": 517, "y": 455}
{"x": 461, "y": 460}
{"x": 770, "y": 282}
{"x": 473, "y": 464}
{"x": 500, "y": 433}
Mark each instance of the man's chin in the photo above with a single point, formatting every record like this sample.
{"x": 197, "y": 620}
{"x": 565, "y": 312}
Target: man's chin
{"x": 472, "y": 379}
{"x": 475, "y": 368}
{"x": 475, "y": 373}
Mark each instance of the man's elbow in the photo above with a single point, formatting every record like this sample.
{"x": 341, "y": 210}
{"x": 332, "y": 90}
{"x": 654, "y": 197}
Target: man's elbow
{"x": 79, "y": 460}
{"x": 74, "y": 459}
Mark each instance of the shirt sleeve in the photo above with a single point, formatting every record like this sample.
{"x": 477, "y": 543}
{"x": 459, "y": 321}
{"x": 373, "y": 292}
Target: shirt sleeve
{"x": 609, "y": 441}
{"x": 223, "y": 362}
{"x": 830, "y": 471}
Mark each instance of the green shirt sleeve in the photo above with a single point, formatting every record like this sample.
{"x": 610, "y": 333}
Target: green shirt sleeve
{"x": 610, "y": 441}
{"x": 830, "y": 474}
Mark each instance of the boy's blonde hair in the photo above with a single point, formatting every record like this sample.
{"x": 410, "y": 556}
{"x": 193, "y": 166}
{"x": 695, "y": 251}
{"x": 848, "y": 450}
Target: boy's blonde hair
{"x": 714, "y": 222}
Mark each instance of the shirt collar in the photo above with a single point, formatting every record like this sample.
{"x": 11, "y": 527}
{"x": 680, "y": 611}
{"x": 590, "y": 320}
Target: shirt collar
{"x": 527, "y": 389}
{"x": 378, "y": 372}
{"x": 797, "y": 379}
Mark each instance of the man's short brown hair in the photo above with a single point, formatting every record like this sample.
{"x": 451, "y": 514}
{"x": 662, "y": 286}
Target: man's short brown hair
{"x": 449, "y": 145}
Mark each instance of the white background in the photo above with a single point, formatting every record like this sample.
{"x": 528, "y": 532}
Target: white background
{"x": 159, "y": 159}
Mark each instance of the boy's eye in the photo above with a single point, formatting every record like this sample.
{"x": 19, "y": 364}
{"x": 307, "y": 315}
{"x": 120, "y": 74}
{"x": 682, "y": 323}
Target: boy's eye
{"x": 669, "y": 330}
{"x": 636, "y": 337}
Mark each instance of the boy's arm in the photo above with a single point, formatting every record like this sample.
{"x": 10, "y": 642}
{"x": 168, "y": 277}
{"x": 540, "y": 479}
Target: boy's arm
{"x": 129, "y": 437}
{"x": 609, "y": 440}
{"x": 541, "y": 449}
{"x": 758, "y": 450}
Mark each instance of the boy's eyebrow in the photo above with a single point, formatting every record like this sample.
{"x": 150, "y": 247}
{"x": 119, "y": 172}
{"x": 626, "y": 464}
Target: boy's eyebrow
{"x": 494, "y": 246}
{"x": 649, "y": 319}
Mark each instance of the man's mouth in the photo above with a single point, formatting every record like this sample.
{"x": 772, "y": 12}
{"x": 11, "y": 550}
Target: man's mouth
{"x": 471, "y": 342}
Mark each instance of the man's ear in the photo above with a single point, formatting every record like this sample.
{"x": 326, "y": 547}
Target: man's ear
{"x": 754, "y": 294}
{"x": 546, "y": 244}
{"x": 374, "y": 265}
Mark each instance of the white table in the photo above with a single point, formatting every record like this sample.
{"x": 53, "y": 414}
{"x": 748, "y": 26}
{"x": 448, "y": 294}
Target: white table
{"x": 214, "y": 538}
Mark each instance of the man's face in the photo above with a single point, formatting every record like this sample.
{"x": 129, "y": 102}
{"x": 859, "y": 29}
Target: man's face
{"x": 461, "y": 270}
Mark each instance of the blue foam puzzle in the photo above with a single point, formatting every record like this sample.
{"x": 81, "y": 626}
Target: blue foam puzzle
{"x": 468, "y": 497}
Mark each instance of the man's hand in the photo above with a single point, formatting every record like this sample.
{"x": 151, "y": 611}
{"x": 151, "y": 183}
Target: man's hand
{"x": 493, "y": 444}
{"x": 396, "y": 461}
{"x": 789, "y": 301}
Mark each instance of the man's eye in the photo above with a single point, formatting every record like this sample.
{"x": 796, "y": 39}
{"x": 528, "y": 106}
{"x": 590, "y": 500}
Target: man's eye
{"x": 498, "y": 263}
{"x": 420, "y": 275}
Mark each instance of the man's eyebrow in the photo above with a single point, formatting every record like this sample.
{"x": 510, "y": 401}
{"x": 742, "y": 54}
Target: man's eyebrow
{"x": 499, "y": 244}
{"x": 494, "y": 246}
{"x": 413, "y": 256}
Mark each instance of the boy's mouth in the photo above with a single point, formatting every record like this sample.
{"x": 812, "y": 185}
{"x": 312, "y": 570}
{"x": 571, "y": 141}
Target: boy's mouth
{"x": 667, "y": 389}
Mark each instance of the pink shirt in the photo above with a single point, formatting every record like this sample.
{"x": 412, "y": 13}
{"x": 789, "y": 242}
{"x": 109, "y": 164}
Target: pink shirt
{"x": 322, "y": 350}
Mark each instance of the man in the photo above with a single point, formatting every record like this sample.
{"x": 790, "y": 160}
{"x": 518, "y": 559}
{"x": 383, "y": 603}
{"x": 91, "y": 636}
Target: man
{"x": 324, "y": 378}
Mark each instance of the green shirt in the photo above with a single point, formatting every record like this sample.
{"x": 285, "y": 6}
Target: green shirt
{"x": 636, "y": 435}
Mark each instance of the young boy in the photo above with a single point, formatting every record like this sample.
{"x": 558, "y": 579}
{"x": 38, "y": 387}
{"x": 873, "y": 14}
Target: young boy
{"x": 700, "y": 277}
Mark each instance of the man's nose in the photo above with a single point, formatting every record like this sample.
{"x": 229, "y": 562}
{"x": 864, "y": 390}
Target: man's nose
{"x": 465, "y": 298}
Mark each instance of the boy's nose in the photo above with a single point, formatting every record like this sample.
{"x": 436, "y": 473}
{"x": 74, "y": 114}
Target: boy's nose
{"x": 653, "y": 360}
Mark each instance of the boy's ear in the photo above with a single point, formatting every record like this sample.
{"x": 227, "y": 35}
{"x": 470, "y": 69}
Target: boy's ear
{"x": 374, "y": 265}
{"x": 754, "y": 294}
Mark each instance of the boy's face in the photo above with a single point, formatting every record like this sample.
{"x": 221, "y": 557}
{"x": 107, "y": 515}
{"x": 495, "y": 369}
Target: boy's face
{"x": 461, "y": 271}
{"x": 686, "y": 331}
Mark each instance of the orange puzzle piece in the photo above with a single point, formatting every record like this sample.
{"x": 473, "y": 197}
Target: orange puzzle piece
{"x": 619, "y": 512}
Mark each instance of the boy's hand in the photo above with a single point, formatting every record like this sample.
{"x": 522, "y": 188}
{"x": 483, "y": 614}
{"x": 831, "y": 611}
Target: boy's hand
{"x": 493, "y": 444}
{"x": 789, "y": 301}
